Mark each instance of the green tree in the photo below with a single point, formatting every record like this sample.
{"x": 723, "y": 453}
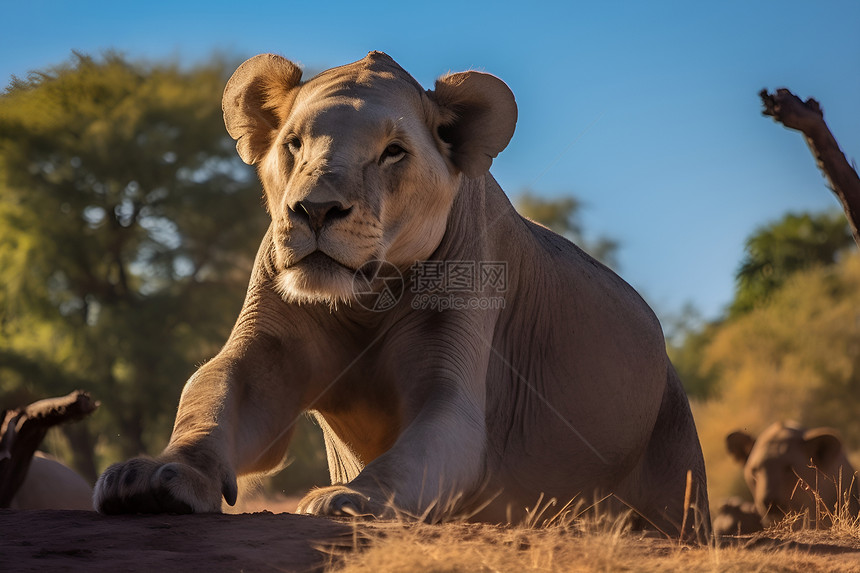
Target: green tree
{"x": 776, "y": 251}
{"x": 127, "y": 230}
{"x": 562, "y": 216}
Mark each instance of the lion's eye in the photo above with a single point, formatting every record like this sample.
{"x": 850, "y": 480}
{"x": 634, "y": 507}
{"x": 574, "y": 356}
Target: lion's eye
{"x": 391, "y": 154}
{"x": 293, "y": 143}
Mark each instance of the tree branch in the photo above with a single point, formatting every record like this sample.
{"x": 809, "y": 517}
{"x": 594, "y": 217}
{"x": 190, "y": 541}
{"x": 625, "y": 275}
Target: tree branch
{"x": 23, "y": 429}
{"x": 808, "y": 118}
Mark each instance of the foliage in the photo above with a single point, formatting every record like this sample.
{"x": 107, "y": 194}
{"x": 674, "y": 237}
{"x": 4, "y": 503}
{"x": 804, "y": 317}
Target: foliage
{"x": 801, "y": 350}
{"x": 127, "y": 231}
{"x": 779, "y": 249}
{"x": 562, "y": 216}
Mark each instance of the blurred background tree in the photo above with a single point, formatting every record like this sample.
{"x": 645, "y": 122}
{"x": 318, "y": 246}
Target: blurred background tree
{"x": 687, "y": 335}
{"x": 128, "y": 226}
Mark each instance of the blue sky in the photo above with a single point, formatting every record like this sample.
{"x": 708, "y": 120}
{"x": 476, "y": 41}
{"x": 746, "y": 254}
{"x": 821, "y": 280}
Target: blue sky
{"x": 646, "y": 111}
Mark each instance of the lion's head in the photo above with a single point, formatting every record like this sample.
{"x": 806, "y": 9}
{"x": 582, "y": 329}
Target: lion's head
{"x": 787, "y": 467}
{"x": 360, "y": 163}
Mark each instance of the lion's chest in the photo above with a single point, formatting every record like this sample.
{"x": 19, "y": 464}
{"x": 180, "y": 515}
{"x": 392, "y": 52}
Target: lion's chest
{"x": 364, "y": 412}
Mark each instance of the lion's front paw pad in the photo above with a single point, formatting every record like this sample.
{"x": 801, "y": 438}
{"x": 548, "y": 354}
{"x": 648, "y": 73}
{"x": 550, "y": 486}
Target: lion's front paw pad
{"x": 144, "y": 485}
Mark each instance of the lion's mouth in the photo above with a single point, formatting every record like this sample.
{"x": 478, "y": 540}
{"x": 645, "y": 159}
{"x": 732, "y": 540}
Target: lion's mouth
{"x": 316, "y": 277}
{"x": 319, "y": 261}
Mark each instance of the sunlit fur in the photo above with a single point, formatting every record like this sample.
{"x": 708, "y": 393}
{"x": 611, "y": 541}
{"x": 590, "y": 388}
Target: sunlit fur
{"x": 332, "y": 285}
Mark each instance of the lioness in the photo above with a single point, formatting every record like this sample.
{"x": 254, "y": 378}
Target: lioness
{"x": 51, "y": 485}
{"x": 790, "y": 469}
{"x": 443, "y": 400}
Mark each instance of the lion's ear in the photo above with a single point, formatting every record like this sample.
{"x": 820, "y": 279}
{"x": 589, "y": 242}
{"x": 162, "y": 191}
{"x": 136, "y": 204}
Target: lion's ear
{"x": 257, "y": 100}
{"x": 478, "y": 118}
{"x": 823, "y": 446}
{"x": 739, "y": 445}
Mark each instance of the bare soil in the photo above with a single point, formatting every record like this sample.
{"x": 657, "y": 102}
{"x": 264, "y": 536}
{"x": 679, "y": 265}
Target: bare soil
{"x": 57, "y": 540}
{"x": 54, "y": 540}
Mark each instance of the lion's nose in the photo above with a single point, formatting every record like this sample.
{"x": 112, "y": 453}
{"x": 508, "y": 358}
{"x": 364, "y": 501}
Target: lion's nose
{"x": 318, "y": 214}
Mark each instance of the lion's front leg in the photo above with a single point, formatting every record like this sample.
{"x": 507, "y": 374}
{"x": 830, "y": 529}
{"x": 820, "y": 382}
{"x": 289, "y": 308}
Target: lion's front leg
{"x": 432, "y": 471}
{"x": 234, "y": 417}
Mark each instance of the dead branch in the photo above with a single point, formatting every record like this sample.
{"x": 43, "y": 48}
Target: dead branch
{"x": 808, "y": 118}
{"x": 23, "y": 430}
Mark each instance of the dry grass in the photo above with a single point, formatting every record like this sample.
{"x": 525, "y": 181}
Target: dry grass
{"x": 839, "y": 522}
{"x": 567, "y": 541}
{"x": 394, "y": 548}
{"x": 574, "y": 538}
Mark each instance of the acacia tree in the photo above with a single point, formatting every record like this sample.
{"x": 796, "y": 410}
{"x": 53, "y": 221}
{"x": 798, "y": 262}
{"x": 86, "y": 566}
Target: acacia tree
{"x": 127, "y": 231}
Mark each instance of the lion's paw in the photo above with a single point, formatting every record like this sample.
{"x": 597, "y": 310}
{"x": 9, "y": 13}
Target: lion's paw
{"x": 341, "y": 501}
{"x": 143, "y": 485}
